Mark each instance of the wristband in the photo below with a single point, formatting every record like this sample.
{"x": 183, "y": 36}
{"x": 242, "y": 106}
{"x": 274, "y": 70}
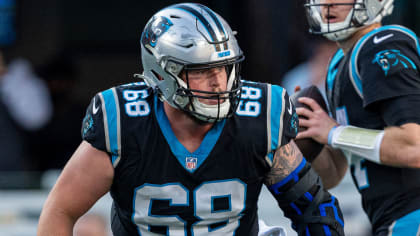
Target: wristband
{"x": 365, "y": 143}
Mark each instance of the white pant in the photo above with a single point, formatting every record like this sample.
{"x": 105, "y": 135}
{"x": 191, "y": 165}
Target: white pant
{"x": 266, "y": 230}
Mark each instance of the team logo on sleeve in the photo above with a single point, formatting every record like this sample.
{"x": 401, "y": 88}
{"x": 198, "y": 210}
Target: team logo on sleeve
{"x": 87, "y": 124}
{"x": 154, "y": 29}
{"x": 388, "y": 59}
{"x": 294, "y": 124}
{"x": 191, "y": 163}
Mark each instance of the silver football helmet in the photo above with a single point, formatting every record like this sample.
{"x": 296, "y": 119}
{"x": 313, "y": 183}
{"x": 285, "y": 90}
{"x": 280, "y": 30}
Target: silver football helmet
{"x": 185, "y": 37}
{"x": 363, "y": 12}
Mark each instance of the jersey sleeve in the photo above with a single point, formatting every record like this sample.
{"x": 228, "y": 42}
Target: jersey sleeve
{"x": 401, "y": 110}
{"x": 290, "y": 121}
{"x": 93, "y": 125}
{"x": 283, "y": 119}
{"x": 389, "y": 66}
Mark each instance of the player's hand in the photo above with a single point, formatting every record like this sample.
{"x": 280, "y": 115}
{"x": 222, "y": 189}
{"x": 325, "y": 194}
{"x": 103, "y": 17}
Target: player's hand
{"x": 317, "y": 121}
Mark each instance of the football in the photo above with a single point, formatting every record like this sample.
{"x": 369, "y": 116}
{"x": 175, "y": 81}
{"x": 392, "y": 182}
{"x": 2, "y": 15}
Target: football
{"x": 309, "y": 147}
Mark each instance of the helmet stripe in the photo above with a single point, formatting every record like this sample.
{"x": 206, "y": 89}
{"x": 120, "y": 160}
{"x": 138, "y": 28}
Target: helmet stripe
{"x": 219, "y": 25}
{"x": 203, "y": 21}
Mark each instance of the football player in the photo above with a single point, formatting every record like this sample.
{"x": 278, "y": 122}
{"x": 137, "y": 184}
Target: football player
{"x": 186, "y": 150}
{"x": 373, "y": 89}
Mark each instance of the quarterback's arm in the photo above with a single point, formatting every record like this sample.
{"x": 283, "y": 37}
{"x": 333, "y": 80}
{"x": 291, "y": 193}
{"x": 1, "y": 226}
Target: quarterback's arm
{"x": 300, "y": 194}
{"x": 331, "y": 165}
{"x": 401, "y": 146}
{"x": 397, "y": 146}
{"x": 86, "y": 177}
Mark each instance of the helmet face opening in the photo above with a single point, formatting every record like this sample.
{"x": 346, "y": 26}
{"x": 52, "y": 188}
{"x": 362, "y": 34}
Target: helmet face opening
{"x": 198, "y": 99}
{"x": 182, "y": 40}
{"x": 339, "y": 19}
{"x": 331, "y": 18}
{"x": 321, "y": 16}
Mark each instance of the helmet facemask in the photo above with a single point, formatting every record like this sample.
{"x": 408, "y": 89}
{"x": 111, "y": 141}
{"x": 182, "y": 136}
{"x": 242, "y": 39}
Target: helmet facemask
{"x": 223, "y": 104}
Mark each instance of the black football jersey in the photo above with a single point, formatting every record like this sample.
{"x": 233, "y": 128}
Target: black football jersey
{"x": 160, "y": 188}
{"x": 383, "y": 65}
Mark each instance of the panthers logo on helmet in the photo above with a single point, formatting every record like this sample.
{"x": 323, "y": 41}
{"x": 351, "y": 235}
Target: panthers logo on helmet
{"x": 154, "y": 29}
{"x": 388, "y": 59}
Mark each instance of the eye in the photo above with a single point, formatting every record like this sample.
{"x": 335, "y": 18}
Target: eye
{"x": 219, "y": 69}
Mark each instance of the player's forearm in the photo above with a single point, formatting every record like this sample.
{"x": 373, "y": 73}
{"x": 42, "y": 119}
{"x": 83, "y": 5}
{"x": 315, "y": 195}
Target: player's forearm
{"x": 401, "y": 146}
{"x": 331, "y": 165}
{"x": 54, "y": 222}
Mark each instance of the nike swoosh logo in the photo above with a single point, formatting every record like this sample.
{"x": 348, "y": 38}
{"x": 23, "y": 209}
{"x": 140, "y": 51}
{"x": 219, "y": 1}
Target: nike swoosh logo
{"x": 290, "y": 107}
{"x": 377, "y": 40}
{"x": 94, "y": 108}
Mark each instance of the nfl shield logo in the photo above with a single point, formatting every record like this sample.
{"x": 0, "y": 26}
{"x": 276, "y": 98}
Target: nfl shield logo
{"x": 191, "y": 163}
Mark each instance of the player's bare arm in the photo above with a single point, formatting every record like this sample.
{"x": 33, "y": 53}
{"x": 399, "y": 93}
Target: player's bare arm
{"x": 331, "y": 165}
{"x": 86, "y": 178}
{"x": 285, "y": 160}
{"x": 401, "y": 146}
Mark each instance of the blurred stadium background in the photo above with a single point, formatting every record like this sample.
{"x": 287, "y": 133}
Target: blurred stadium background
{"x": 77, "y": 48}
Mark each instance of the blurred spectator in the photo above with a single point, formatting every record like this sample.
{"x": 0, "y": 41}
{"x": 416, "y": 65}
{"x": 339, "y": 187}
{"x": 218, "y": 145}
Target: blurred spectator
{"x": 25, "y": 106}
{"x": 90, "y": 225}
{"x": 54, "y": 144}
{"x": 313, "y": 71}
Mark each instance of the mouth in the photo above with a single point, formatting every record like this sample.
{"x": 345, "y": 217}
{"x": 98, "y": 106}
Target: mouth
{"x": 331, "y": 18}
{"x": 212, "y": 99}
{"x": 221, "y": 100}
{"x": 210, "y": 102}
